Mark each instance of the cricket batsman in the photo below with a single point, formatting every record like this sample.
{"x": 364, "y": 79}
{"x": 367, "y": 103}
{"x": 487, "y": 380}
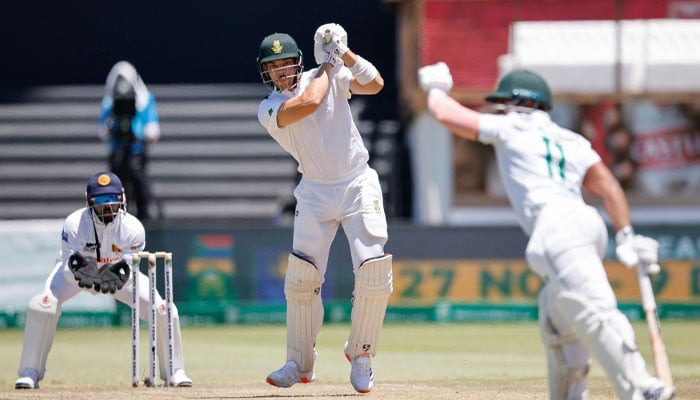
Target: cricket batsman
{"x": 308, "y": 114}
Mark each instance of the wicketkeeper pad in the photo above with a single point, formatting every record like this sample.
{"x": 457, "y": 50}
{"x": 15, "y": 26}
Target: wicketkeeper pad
{"x": 373, "y": 286}
{"x": 302, "y": 289}
{"x": 43, "y": 312}
{"x": 162, "y": 340}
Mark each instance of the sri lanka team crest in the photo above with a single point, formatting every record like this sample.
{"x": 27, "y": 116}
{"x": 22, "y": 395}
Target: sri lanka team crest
{"x": 103, "y": 180}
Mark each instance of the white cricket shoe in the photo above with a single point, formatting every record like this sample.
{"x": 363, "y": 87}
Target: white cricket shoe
{"x": 29, "y": 379}
{"x": 361, "y": 376}
{"x": 180, "y": 379}
{"x": 288, "y": 375}
{"x": 659, "y": 391}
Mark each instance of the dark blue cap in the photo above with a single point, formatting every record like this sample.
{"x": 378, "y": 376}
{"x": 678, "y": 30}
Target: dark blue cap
{"x": 104, "y": 182}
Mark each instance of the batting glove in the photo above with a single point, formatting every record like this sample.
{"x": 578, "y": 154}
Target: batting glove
{"x": 319, "y": 54}
{"x": 323, "y": 31}
{"x": 435, "y": 76}
{"x": 648, "y": 252}
{"x": 637, "y": 251}
{"x": 333, "y": 39}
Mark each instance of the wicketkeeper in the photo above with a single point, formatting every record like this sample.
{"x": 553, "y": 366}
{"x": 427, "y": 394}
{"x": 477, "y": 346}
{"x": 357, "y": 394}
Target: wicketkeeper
{"x": 308, "y": 114}
{"x": 98, "y": 242}
{"x": 544, "y": 168}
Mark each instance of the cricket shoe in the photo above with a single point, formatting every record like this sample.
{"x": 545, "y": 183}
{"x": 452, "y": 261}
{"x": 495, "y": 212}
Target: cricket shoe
{"x": 288, "y": 375}
{"x": 660, "y": 391}
{"x": 29, "y": 379}
{"x": 180, "y": 379}
{"x": 361, "y": 376}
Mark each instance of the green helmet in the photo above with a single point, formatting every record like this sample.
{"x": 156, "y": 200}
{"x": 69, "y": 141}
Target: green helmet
{"x": 276, "y": 47}
{"x": 521, "y": 85}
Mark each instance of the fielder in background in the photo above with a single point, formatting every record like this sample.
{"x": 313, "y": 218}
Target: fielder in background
{"x": 129, "y": 123}
{"x": 543, "y": 167}
{"x": 98, "y": 244}
{"x": 308, "y": 114}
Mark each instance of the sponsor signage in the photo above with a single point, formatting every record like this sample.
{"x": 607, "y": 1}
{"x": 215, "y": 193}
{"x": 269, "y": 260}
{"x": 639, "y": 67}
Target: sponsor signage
{"x": 425, "y": 282}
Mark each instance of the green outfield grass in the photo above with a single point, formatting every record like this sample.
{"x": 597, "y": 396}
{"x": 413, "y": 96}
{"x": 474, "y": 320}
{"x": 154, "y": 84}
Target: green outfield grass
{"x": 415, "y": 361}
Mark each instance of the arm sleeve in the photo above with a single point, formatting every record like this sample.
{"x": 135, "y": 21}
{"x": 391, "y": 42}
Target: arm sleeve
{"x": 70, "y": 238}
{"x": 490, "y": 128}
{"x": 267, "y": 113}
{"x": 137, "y": 239}
{"x": 590, "y": 156}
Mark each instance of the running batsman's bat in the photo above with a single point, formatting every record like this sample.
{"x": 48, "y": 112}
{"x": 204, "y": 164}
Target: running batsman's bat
{"x": 658, "y": 349}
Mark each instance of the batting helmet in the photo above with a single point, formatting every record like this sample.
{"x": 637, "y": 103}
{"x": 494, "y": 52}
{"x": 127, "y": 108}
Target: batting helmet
{"x": 277, "y": 47}
{"x": 520, "y": 86}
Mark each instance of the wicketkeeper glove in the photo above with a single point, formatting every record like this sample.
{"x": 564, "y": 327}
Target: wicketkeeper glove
{"x": 637, "y": 251}
{"x": 435, "y": 76}
{"x": 84, "y": 270}
{"x": 114, "y": 276}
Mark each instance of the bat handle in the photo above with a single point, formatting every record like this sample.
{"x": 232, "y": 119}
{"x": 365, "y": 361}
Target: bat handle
{"x": 646, "y": 290}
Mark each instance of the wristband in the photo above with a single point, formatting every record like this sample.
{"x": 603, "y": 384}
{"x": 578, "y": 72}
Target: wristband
{"x": 624, "y": 232}
{"x": 364, "y": 71}
{"x": 438, "y": 91}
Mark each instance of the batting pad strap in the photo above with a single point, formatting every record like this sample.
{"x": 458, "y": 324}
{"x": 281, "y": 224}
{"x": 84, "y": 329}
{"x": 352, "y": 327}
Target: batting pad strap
{"x": 373, "y": 286}
{"x": 302, "y": 280}
{"x": 302, "y": 289}
{"x": 364, "y": 71}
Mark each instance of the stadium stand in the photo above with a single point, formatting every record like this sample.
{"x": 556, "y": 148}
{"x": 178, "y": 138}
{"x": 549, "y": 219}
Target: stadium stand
{"x": 214, "y": 161}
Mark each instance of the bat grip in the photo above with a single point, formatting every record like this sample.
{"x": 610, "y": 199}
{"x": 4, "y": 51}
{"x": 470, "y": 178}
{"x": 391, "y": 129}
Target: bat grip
{"x": 645, "y": 289}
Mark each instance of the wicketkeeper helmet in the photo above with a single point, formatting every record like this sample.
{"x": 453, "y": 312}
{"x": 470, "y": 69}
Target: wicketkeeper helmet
{"x": 105, "y": 189}
{"x": 520, "y": 86}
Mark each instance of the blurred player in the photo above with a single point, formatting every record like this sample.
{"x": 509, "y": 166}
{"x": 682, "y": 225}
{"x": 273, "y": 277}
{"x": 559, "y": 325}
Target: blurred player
{"x": 129, "y": 122}
{"x": 308, "y": 114}
{"x": 543, "y": 167}
{"x": 98, "y": 242}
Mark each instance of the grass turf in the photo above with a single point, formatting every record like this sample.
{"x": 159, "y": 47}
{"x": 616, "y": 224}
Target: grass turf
{"x": 415, "y": 361}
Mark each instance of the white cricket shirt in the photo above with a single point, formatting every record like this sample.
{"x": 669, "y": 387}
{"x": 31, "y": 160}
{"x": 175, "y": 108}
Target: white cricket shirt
{"x": 539, "y": 161}
{"x": 326, "y": 144}
{"x": 119, "y": 239}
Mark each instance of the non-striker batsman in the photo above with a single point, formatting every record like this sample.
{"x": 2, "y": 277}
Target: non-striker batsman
{"x": 544, "y": 168}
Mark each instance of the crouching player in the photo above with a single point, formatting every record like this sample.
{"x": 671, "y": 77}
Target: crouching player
{"x": 97, "y": 242}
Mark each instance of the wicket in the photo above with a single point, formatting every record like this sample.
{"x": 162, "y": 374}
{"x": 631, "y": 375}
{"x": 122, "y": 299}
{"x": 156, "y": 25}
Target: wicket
{"x": 152, "y": 315}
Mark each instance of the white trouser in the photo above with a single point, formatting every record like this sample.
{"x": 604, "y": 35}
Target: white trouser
{"x": 578, "y": 310}
{"x": 357, "y": 204}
